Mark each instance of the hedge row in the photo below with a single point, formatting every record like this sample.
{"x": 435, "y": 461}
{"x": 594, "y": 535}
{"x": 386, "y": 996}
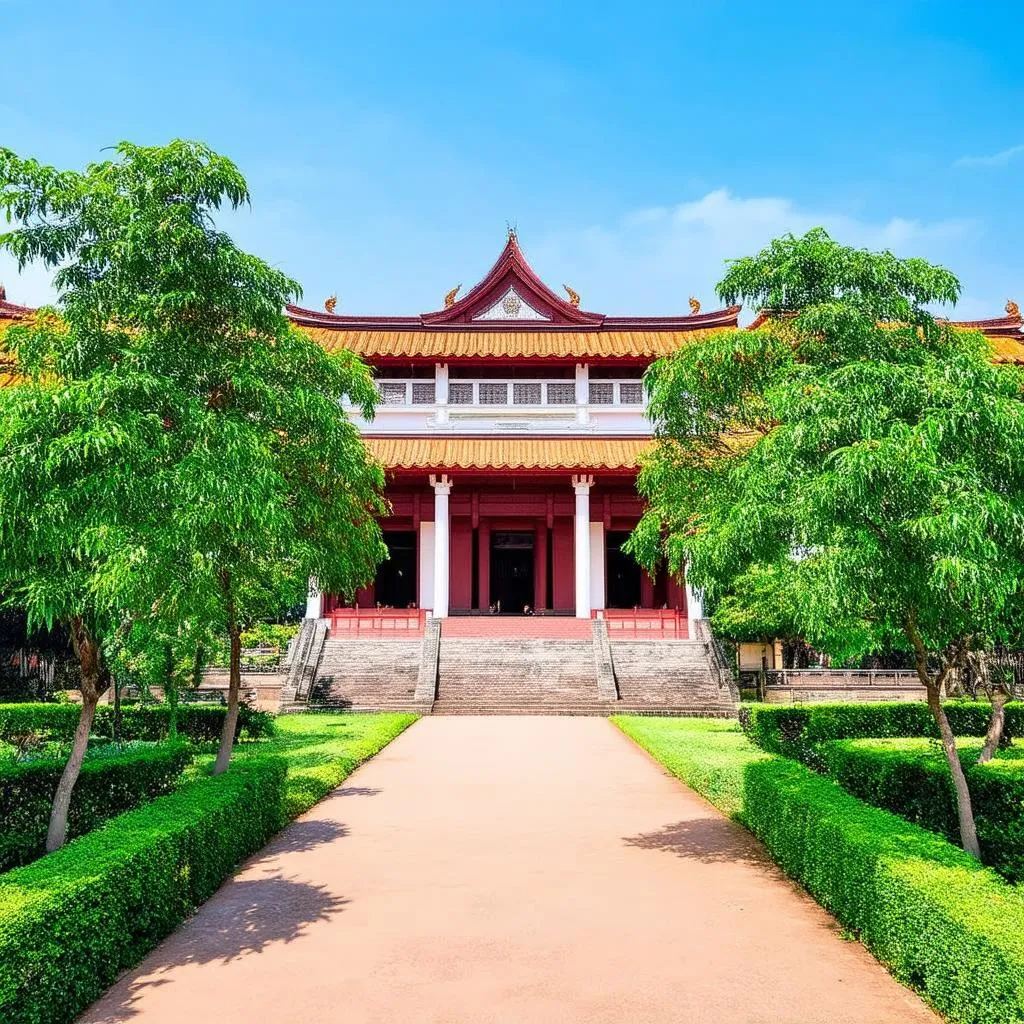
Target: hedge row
{"x": 795, "y": 731}
{"x": 940, "y": 921}
{"x": 911, "y": 779}
{"x": 71, "y": 922}
{"x": 197, "y": 722}
{"x": 106, "y": 787}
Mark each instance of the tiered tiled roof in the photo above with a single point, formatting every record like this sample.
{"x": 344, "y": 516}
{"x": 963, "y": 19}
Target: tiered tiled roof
{"x": 510, "y": 314}
{"x": 510, "y": 453}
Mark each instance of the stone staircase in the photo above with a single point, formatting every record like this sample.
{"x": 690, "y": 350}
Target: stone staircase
{"x": 667, "y": 677}
{"x": 507, "y": 676}
{"x": 368, "y": 675}
{"x": 571, "y": 669}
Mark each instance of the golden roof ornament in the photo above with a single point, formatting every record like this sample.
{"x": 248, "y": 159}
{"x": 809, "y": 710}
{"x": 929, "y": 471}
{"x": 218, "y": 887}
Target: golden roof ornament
{"x": 574, "y": 296}
{"x": 449, "y": 299}
{"x": 330, "y": 304}
{"x": 1012, "y": 309}
{"x": 694, "y": 306}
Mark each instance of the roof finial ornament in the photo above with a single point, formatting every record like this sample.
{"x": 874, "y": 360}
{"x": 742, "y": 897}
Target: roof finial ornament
{"x": 512, "y": 232}
{"x": 449, "y": 299}
{"x": 330, "y": 304}
{"x": 3, "y": 292}
{"x": 694, "y": 306}
{"x": 1012, "y": 309}
{"x": 574, "y": 296}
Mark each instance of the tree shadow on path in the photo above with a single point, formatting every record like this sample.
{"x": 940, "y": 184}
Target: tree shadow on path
{"x": 243, "y": 918}
{"x": 709, "y": 840}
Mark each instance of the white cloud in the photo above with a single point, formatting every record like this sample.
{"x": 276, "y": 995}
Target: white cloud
{"x": 1000, "y": 159}
{"x": 652, "y": 260}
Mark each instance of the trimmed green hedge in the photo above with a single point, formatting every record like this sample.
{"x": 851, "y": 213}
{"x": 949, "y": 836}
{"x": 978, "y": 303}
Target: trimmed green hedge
{"x": 197, "y": 722}
{"x": 72, "y": 921}
{"x": 322, "y": 750}
{"x": 938, "y": 919}
{"x": 106, "y": 787}
{"x": 795, "y": 730}
{"x": 911, "y": 779}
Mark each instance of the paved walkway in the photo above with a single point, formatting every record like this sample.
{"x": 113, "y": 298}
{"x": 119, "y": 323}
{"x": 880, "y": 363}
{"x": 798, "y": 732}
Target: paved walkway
{"x": 510, "y": 870}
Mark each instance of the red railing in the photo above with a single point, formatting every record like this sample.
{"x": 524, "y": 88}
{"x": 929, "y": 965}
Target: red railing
{"x": 386, "y": 621}
{"x": 645, "y": 623}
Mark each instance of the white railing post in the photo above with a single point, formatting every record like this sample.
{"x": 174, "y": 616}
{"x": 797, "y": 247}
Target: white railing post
{"x": 441, "y": 391}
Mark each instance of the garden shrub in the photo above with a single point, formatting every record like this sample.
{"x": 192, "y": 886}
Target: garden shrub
{"x": 73, "y": 920}
{"x": 939, "y": 920}
{"x": 795, "y": 730}
{"x": 911, "y": 779}
{"x": 106, "y": 787}
{"x": 197, "y": 722}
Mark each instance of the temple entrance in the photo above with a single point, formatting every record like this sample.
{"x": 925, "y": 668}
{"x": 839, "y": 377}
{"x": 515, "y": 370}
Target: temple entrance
{"x": 623, "y": 579}
{"x": 395, "y": 586}
{"x": 512, "y": 571}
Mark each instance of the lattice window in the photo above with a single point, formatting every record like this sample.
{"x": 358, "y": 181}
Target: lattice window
{"x": 460, "y": 393}
{"x": 602, "y": 392}
{"x": 631, "y": 394}
{"x": 526, "y": 394}
{"x": 392, "y": 392}
{"x": 423, "y": 392}
{"x": 493, "y": 393}
{"x": 562, "y": 393}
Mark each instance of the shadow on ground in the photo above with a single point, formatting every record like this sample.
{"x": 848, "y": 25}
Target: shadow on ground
{"x": 244, "y": 918}
{"x": 710, "y": 840}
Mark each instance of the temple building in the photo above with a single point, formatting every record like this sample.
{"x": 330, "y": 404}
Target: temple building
{"x": 511, "y": 424}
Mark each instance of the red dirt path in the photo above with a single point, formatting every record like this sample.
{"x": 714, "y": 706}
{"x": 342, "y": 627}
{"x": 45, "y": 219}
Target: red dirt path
{"x": 510, "y": 870}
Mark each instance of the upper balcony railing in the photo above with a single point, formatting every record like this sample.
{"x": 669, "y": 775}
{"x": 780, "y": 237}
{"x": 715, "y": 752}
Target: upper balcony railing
{"x": 511, "y": 393}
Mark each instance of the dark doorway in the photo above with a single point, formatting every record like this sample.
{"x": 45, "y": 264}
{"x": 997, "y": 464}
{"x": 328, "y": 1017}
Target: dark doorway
{"x": 623, "y": 579}
{"x": 512, "y": 571}
{"x": 396, "y": 577}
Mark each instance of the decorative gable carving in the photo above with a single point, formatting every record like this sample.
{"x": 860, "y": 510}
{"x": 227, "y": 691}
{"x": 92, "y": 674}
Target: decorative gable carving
{"x": 511, "y": 306}
{"x": 512, "y": 292}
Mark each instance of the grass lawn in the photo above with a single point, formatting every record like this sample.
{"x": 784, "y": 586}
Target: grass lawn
{"x": 708, "y": 754}
{"x": 322, "y": 750}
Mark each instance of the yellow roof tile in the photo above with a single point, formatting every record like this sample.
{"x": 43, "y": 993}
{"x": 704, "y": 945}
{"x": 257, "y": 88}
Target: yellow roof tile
{"x": 508, "y": 452}
{"x": 506, "y": 344}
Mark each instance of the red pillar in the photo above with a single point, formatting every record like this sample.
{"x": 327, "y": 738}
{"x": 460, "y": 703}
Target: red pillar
{"x": 540, "y": 565}
{"x": 484, "y": 564}
{"x": 646, "y": 591}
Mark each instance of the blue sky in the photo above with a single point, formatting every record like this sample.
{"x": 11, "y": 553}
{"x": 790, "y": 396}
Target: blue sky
{"x": 635, "y": 146}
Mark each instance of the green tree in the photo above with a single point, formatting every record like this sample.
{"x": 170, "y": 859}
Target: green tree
{"x": 873, "y": 454}
{"x": 177, "y": 449}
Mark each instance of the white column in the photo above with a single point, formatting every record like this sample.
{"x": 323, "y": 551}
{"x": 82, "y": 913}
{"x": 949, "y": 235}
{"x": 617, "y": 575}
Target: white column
{"x": 582, "y": 485}
{"x": 597, "y": 566}
{"x": 442, "y": 488}
{"x": 314, "y": 600}
{"x": 426, "y": 594}
{"x": 441, "y": 391}
{"x": 694, "y": 607}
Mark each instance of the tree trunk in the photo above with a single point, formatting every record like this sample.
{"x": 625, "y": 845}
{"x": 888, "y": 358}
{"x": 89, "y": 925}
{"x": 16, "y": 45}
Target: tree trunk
{"x": 935, "y": 687}
{"x": 995, "y": 726}
{"x": 171, "y": 693}
{"x": 95, "y": 680}
{"x": 227, "y": 736}
{"x": 117, "y": 712}
{"x": 965, "y": 812}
